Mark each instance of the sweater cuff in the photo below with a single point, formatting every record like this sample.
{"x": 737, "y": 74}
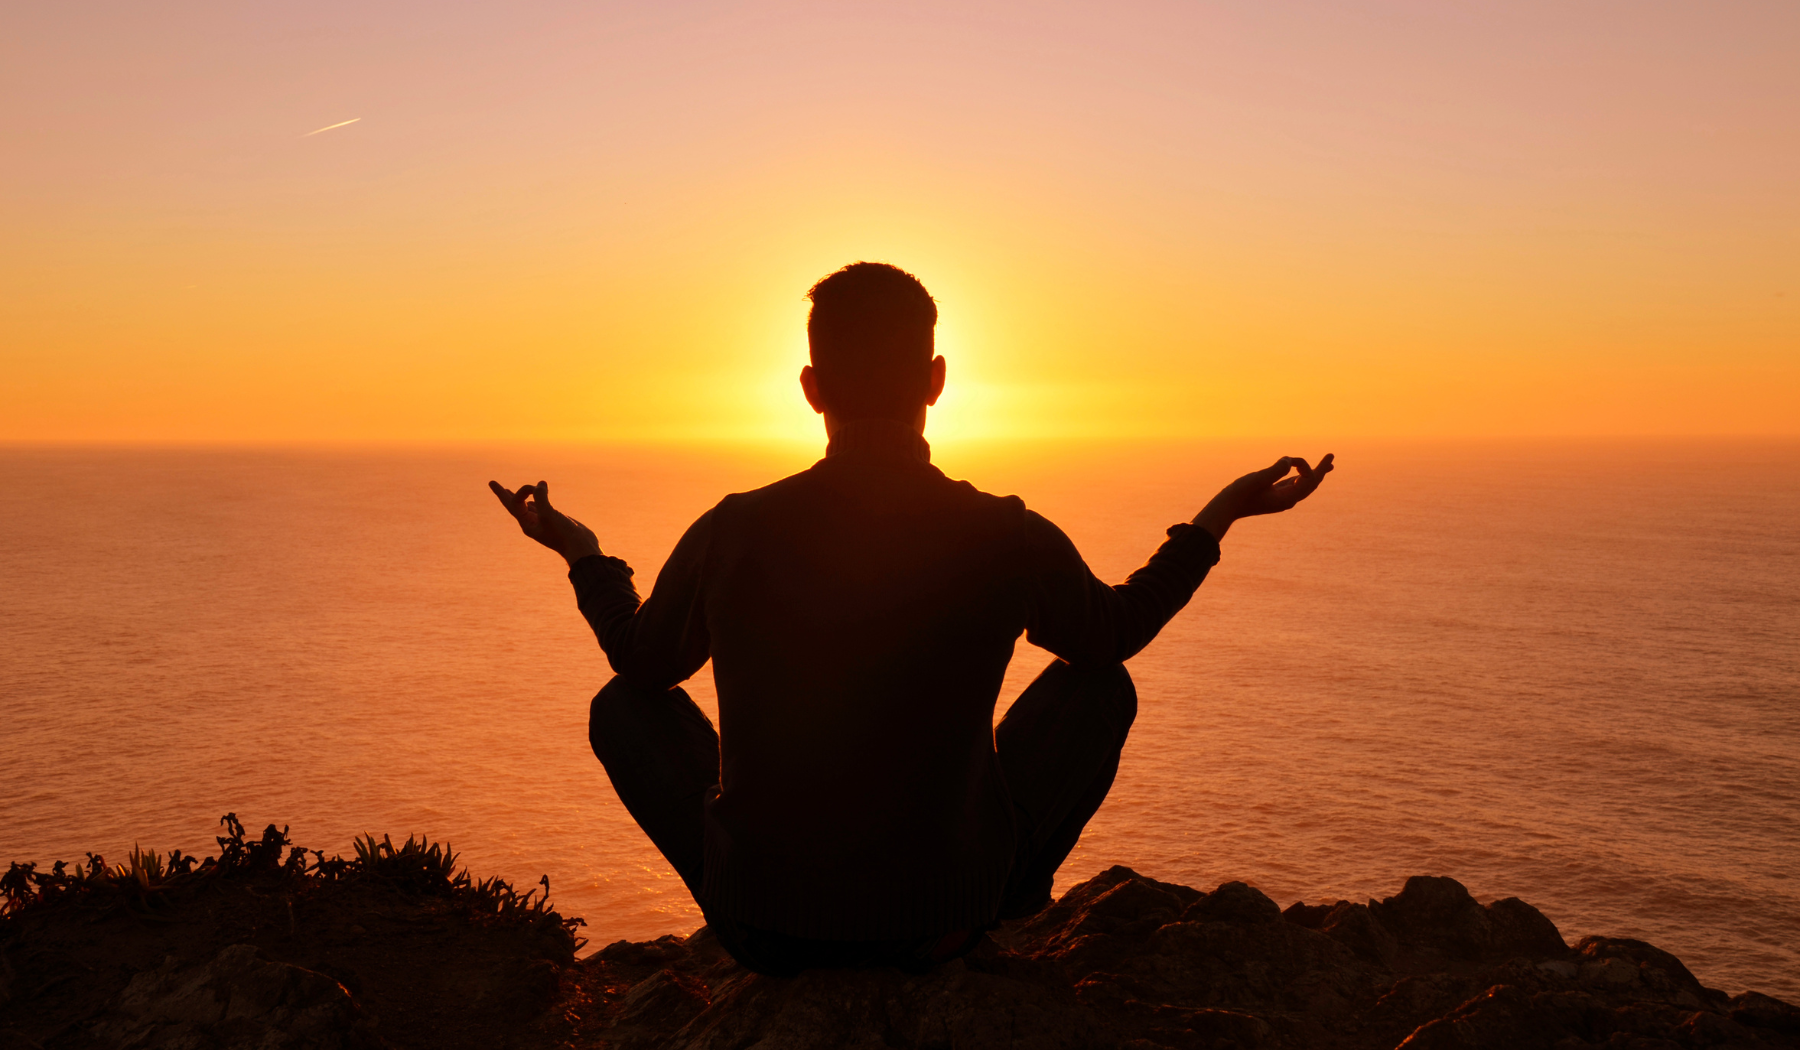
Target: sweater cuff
{"x": 1193, "y": 545}
{"x": 597, "y": 568}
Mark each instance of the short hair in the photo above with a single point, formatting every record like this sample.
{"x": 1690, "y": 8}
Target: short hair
{"x": 871, "y": 334}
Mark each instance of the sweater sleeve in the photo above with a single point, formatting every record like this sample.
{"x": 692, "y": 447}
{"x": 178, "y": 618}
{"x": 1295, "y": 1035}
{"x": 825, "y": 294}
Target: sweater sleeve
{"x": 1086, "y": 622}
{"x": 662, "y": 641}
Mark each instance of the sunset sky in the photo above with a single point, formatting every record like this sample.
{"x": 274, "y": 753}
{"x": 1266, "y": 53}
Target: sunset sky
{"x": 587, "y": 221}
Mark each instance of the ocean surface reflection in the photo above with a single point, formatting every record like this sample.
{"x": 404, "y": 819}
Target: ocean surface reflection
{"x": 1565, "y": 673}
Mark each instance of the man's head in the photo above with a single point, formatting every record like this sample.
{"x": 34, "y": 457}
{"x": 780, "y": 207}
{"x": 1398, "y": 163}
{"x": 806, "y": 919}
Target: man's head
{"x": 871, "y": 333}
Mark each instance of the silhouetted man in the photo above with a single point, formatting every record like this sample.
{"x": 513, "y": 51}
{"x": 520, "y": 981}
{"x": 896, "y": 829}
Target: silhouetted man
{"x": 858, "y": 806}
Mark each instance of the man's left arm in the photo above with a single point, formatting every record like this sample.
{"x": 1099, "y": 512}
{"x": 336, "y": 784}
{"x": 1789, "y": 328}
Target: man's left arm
{"x": 1082, "y": 620}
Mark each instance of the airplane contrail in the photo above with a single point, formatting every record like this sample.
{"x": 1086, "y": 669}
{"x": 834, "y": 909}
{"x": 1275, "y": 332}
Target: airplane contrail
{"x": 328, "y": 127}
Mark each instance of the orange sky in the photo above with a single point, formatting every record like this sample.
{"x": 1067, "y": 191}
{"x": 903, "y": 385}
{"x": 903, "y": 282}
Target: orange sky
{"x": 596, "y": 222}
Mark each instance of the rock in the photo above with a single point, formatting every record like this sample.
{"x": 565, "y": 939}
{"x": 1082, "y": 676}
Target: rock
{"x": 1130, "y": 962}
{"x": 236, "y": 999}
{"x": 953, "y": 1007}
{"x": 1709, "y": 1029}
{"x": 1355, "y": 927}
{"x": 1436, "y": 915}
{"x": 1233, "y": 902}
{"x": 1516, "y": 928}
{"x": 1507, "y": 1017}
{"x": 1098, "y": 925}
{"x": 1411, "y": 999}
{"x": 662, "y": 950}
{"x": 1120, "y": 961}
{"x": 1643, "y": 968}
{"x": 657, "y": 1005}
{"x": 1754, "y": 1010}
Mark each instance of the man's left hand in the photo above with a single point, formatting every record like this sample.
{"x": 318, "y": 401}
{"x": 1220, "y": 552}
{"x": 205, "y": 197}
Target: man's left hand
{"x": 1267, "y": 491}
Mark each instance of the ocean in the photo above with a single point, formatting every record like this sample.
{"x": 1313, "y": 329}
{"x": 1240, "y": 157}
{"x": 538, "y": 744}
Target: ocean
{"x": 1567, "y": 672}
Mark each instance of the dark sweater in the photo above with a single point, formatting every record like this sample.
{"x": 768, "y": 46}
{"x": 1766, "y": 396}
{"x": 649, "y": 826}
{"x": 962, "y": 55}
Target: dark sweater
{"x": 860, "y": 616}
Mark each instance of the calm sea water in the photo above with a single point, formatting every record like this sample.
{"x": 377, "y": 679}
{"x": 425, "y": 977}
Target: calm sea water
{"x": 1569, "y": 673}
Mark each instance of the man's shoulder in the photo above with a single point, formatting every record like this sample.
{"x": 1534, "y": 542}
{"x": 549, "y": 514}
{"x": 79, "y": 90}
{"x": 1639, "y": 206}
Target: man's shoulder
{"x": 968, "y": 493}
{"x": 814, "y": 482}
{"x": 790, "y": 486}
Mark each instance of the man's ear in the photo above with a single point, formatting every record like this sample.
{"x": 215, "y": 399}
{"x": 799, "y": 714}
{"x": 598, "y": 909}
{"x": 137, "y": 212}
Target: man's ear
{"x": 809, "y": 385}
{"x": 936, "y": 389}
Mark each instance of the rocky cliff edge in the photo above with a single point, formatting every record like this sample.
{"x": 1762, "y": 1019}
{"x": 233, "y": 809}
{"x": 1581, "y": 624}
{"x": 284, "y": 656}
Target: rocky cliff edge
{"x": 396, "y": 951}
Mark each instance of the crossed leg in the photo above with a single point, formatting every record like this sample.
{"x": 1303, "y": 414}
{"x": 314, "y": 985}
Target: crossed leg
{"x": 1058, "y": 745}
{"x": 662, "y": 755}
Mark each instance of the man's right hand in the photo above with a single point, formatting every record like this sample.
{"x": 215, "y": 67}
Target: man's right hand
{"x": 1266, "y": 491}
{"x": 530, "y": 506}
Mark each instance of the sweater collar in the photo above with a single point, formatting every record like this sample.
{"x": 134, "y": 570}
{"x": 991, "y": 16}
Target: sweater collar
{"x": 879, "y": 439}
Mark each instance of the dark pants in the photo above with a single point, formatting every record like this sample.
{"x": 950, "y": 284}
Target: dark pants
{"x": 1059, "y": 750}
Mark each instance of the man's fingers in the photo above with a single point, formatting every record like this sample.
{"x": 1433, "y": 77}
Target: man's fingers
{"x": 1271, "y": 474}
{"x": 543, "y": 502}
{"x": 1310, "y": 478}
{"x": 1318, "y": 473}
{"x": 506, "y": 497}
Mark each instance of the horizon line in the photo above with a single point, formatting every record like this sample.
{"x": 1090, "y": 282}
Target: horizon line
{"x": 773, "y": 442}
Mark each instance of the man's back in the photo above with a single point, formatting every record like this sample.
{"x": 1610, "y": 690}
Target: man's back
{"x": 860, "y": 616}
{"x": 858, "y": 809}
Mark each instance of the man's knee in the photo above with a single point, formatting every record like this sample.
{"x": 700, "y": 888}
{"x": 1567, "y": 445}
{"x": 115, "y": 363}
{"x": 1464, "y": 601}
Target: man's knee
{"x": 616, "y": 711}
{"x": 1121, "y": 696}
{"x": 1109, "y": 688}
{"x": 660, "y": 729}
{"x": 622, "y": 715}
{"x": 1116, "y": 690}
{"x": 661, "y": 754}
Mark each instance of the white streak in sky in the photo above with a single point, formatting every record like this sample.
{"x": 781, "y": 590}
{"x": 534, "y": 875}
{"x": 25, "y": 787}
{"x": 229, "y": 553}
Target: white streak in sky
{"x": 328, "y": 127}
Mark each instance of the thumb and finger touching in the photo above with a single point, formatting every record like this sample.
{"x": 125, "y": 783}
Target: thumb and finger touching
{"x": 502, "y": 493}
{"x": 1326, "y": 465}
{"x": 530, "y": 506}
{"x": 1273, "y": 490}
{"x": 1312, "y": 477}
{"x": 514, "y": 502}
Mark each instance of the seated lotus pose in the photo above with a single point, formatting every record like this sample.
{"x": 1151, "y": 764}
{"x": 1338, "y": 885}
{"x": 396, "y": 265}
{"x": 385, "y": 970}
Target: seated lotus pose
{"x": 856, "y": 805}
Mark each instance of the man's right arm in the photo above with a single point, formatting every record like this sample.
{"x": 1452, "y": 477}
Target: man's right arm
{"x": 655, "y": 643}
{"x": 663, "y": 640}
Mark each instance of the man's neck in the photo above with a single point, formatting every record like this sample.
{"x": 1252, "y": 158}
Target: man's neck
{"x": 833, "y": 422}
{"x": 879, "y": 439}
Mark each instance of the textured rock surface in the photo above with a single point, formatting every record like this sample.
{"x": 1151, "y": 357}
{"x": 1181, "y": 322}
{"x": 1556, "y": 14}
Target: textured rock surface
{"x": 270, "y": 961}
{"x": 1121, "y": 961}
{"x": 238, "y": 998}
{"x": 1129, "y": 962}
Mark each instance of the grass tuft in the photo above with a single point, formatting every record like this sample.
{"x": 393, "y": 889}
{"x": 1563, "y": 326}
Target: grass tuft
{"x": 417, "y": 867}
